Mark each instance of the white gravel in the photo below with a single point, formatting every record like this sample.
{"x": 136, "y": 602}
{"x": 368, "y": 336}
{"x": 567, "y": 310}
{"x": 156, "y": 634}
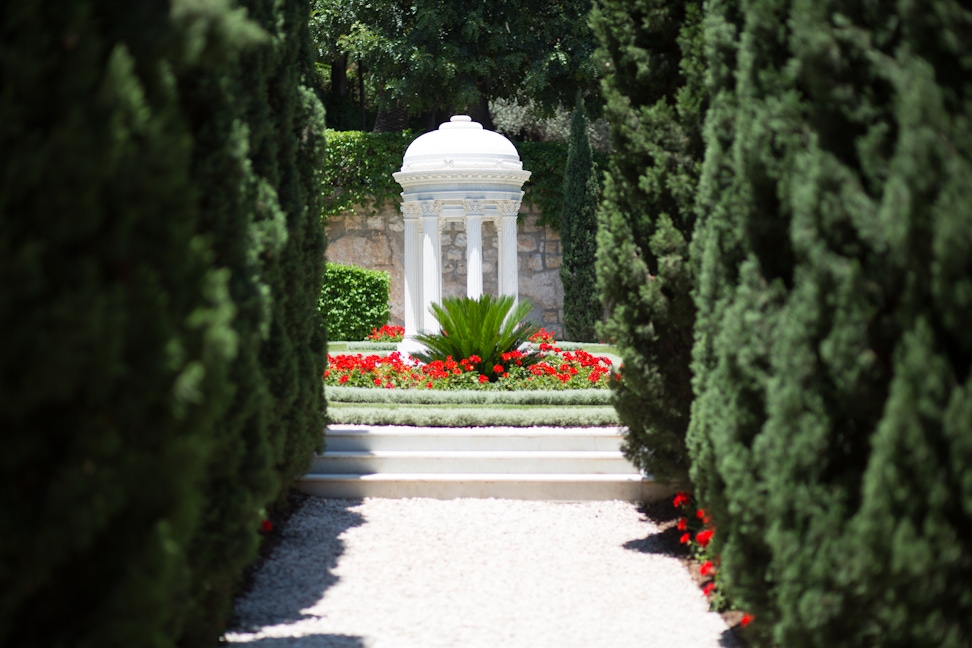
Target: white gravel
{"x": 422, "y": 573}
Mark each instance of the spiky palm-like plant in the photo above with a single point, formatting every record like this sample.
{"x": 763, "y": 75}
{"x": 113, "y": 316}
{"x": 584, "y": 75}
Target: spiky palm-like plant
{"x": 483, "y": 330}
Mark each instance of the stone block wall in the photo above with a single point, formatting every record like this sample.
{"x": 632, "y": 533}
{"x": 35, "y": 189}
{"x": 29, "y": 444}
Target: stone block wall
{"x": 376, "y": 241}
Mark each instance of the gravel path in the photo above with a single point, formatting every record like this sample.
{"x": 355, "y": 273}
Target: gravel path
{"x": 422, "y": 573}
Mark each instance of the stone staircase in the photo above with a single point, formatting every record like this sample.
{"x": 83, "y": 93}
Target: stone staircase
{"x": 569, "y": 464}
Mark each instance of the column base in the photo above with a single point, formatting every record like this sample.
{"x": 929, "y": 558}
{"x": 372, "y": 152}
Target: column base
{"x": 409, "y": 345}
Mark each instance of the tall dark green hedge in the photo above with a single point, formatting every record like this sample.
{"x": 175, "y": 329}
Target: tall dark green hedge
{"x": 831, "y": 437}
{"x": 578, "y": 234}
{"x": 260, "y": 133}
{"x": 651, "y": 55}
{"x": 116, "y": 326}
{"x": 153, "y": 250}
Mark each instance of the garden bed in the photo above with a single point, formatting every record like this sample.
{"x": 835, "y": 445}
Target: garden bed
{"x": 545, "y": 384}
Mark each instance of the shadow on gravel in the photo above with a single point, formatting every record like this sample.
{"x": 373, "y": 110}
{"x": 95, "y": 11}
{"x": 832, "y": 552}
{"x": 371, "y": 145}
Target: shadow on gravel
{"x": 665, "y": 541}
{"x": 310, "y": 641}
{"x": 296, "y": 573}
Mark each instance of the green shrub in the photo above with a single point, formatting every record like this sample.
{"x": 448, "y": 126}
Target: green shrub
{"x": 261, "y": 204}
{"x": 162, "y": 381}
{"x": 488, "y": 328}
{"x": 578, "y": 235}
{"x": 655, "y": 106}
{"x": 116, "y": 324}
{"x": 830, "y": 434}
{"x": 354, "y": 301}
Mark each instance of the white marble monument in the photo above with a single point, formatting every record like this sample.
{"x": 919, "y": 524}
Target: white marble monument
{"x": 460, "y": 172}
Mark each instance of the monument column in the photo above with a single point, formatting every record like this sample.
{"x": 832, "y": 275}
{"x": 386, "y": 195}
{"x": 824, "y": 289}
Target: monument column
{"x": 411, "y": 209}
{"x": 431, "y": 263}
{"x": 474, "y": 248}
{"x": 508, "y": 275}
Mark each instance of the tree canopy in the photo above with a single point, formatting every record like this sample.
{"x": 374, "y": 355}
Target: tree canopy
{"x": 426, "y": 56}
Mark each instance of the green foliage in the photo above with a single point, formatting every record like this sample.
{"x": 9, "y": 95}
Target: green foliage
{"x": 481, "y": 416}
{"x": 578, "y": 234}
{"x": 116, "y": 325}
{"x": 830, "y": 435}
{"x": 258, "y": 130}
{"x": 358, "y": 169}
{"x": 488, "y": 328}
{"x": 430, "y": 55}
{"x": 655, "y": 107}
{"x": 163, "y": 230}
{"x": 353, "y": 301}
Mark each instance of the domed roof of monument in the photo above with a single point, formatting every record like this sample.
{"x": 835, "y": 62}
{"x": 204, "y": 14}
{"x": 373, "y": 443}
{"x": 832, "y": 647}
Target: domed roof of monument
{"x": 461, "y": 143}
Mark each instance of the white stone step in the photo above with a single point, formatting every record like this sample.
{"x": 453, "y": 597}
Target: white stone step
{"x": 389, "y": 437}
{"x": 472, "y": 461}
{"x": 553, "y": 487}
{"x": 569, "y": 464}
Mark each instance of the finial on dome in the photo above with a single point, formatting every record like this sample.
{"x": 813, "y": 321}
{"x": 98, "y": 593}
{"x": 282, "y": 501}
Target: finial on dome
{"x": 460, "y": 118}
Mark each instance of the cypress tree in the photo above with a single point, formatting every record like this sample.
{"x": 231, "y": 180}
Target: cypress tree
{"x": 286, "y": 123}
{"x": 115, "y": 324}
{"x": 146, "y": 223}
{"x": 578, "y": 234}
{"x": 260, "y": 112}
{"x": 651, "y": 51}
{"x": 831, "y": 431}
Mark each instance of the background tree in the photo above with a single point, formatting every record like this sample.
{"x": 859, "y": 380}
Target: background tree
{"x": 432, "y": 57}
{"x": 651, "y": 55}
{"x": 578, "y": 234}
{"x": 830, "y": 436}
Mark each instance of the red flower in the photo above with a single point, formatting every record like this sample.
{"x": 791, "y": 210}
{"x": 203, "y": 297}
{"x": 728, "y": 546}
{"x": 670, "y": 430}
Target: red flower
{"x": 682, "y": 524}
{"x": 483, "y": 379}
{"x": 708, "y": 588}
{"x": 680, "y": 498}
{"x": 707, "y": 568}
{"x": 498, "y": 368}
{"x": 343, "y": 379}
{"x": 703, "y": 537}
{"x": 266, "y": 526}
{"x": 746, "y": 620}
{"x": 378, "y": 381}
{"x": 686, "y": 538}
{"x": 700, "y": 513}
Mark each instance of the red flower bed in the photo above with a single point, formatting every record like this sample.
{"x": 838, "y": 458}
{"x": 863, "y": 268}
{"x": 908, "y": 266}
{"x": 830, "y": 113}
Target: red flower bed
{"x": 387, "y": 333}
{"x": 556, "y": 370}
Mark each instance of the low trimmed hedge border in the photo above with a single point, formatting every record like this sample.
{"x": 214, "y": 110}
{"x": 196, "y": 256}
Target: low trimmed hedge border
{"x": 421, "y": 415}
{"x": 560, "y": 398}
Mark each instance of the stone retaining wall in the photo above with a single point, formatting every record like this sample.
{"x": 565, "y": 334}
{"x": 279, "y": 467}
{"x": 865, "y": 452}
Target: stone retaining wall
{"x": 376, "y": 241}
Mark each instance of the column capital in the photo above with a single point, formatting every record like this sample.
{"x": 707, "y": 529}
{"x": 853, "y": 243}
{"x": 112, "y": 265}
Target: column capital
{"x": 411, "y": 209}
{"x": 431, "y": 208}
{"x": 474, "y": 207}
{"x": 508, "y": 208}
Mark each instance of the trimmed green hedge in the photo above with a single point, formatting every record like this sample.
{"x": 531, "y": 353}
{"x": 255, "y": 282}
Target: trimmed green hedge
{"x": 472, "y": 416}
{"x": 572, "y": 398}
{"x": 353, "y": 301}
